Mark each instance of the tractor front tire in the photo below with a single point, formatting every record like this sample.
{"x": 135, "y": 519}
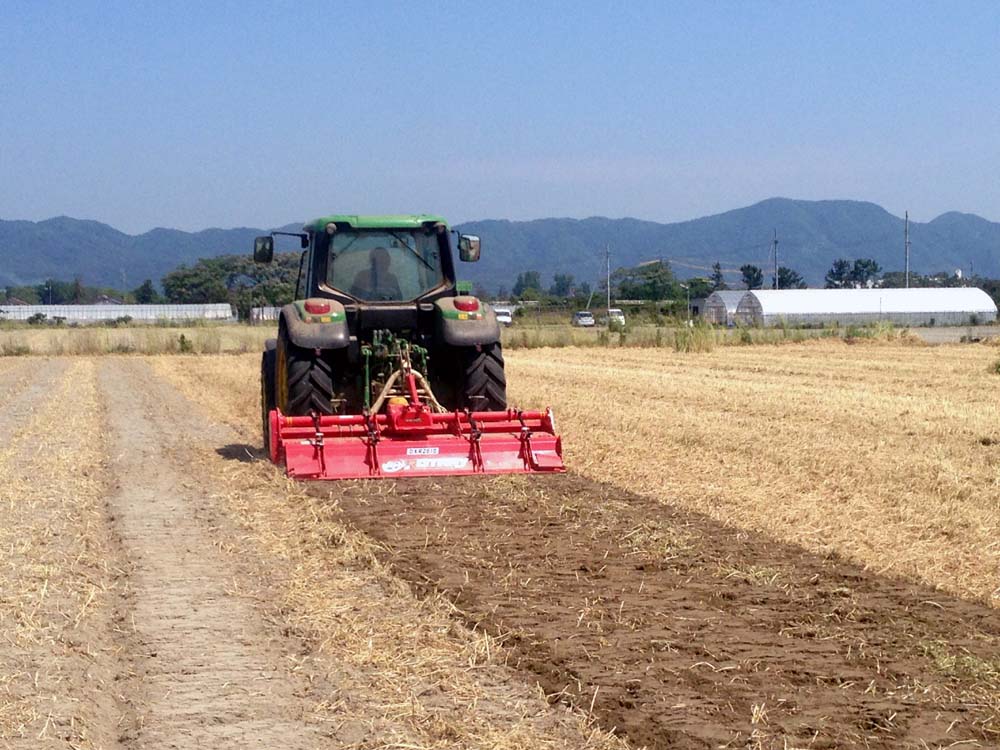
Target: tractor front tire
{"x": 484, "y": 383}
{"x": 305, "y": 379}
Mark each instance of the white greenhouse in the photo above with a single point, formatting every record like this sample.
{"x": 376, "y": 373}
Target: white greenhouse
{"x": 720, "y": 307}
{"x": 908, "y": 307}
{"x": 138, "y": 313}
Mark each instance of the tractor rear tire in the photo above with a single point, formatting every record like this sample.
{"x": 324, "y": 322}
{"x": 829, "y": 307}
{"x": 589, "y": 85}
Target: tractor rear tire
{"x": 484, "y": 383}
{"x": 305, "y": 379}
{"x": 267, "y": 393}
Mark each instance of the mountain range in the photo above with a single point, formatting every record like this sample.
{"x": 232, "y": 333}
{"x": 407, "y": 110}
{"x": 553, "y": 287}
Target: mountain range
{"x": 810, "y": 234}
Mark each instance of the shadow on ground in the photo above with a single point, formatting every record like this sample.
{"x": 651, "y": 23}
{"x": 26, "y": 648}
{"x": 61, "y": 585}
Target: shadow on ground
{"x": 242, "y": 452}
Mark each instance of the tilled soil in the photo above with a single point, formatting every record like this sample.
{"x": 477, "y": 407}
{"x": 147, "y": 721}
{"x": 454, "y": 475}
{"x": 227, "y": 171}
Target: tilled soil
{"x": 679, "y": 632}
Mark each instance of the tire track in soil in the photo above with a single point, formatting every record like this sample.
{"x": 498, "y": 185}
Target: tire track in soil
{"x": 206, "y": 669}
{"x": 683, "y": 633}
{"x": 20, "y": 388}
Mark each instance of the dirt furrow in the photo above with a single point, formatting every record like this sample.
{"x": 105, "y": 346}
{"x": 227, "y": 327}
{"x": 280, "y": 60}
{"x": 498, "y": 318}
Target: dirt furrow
{"x": 22, "y": 387}
{"x": 207, "y": 670}
{"x": 681, "y": 632}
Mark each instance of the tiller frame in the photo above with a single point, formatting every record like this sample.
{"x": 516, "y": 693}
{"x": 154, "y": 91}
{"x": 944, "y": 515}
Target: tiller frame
{"x": 407, "y": 433}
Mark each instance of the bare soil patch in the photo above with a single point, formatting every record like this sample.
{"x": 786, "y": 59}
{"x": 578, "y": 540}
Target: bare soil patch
{"x": 206, "y": 670}
{"x": 678, "y": 631}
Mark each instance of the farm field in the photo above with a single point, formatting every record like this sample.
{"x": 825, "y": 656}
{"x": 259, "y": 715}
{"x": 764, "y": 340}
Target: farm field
{"x": 21, "y": 340}
{"x": 768, "y": 546}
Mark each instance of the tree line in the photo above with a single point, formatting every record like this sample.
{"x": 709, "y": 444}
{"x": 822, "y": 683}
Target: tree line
{"x": 241, "y": 282}
{"x": 235, "y": 279}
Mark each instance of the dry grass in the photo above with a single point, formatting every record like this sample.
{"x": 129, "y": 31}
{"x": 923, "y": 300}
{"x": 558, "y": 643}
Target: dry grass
{"x": 57, "y": 569}
{"x": 240, "y": 339}
{"x": 887, "y": 454}
{"x": 410, "y": 671}
{"x": 133, "y": 340}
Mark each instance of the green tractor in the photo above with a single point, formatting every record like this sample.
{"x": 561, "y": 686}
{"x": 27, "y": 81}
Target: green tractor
{"x": 377, "y": 299}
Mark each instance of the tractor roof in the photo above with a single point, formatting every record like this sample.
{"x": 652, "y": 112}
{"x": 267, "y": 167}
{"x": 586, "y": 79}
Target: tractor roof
{"x": 403, "y": 221}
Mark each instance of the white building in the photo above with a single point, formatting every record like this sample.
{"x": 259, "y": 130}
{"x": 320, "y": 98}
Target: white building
{"x": 264, "y": 314}
{"x": 97, "y": 313}
{"x": 720, "y": 307}
{"x": 908, "y": 307}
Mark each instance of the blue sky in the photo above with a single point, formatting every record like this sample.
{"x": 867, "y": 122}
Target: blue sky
{"x": 225, "y": 114}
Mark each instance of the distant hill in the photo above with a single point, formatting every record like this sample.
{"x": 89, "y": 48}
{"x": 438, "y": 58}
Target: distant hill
{"x": 811, "y": 234}
{"x": 64, "y": 248}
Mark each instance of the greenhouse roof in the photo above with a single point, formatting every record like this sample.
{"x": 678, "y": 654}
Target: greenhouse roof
{"x": 729, "y": 298}
{"x": 848, "y": 301}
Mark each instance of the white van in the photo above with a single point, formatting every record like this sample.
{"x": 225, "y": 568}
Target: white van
{"x": 504, "y": 316}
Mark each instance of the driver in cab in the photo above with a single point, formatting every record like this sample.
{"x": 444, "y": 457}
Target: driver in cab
{"x": 377, "y": 282}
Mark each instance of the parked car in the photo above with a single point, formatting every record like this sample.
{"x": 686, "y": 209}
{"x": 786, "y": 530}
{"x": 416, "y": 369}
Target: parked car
{"x": 584, "y": 319}
{"x": 504, "y": 316}
{"x": 616, "y": 317}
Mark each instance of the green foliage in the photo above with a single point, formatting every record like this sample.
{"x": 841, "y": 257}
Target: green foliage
{"x": 717, "y": 280}
{"x": 694, "y": 338}
{"x": 753, "y": 277}
{"x": 235, "y": 279}
{"x": 882, "y": 330}
{"x": 562, "y": 285}
{"x": 55, "y": 292}
{"x": 146, "y": 294}
{"x": 845, "y": 275}
{"x": 26, "y": 294}
{"x": 941, "y": 279}
{"x": 530, "y": 283}
{"x": 839, "y": 275}
{"x": 864, "y": 272}
{"x": 650, "y": 281}
{"x": 789, "y": 279}
{"x": 700, "y": 287}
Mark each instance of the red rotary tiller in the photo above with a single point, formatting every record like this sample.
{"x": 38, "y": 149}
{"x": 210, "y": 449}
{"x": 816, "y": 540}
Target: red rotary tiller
{"x": 407, "y": 433}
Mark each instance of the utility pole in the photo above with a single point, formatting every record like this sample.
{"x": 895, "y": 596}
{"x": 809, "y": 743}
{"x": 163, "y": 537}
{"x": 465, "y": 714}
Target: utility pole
{"x": 906, "y": 244}
{"x": 607, "y": 260}
{"x": 687, "y": 288}
{"x": 774, "y": 244}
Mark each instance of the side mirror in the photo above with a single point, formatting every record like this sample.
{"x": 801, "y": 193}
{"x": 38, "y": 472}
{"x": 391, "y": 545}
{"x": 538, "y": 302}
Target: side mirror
{"x": 263, "y": 249}
{"x": 468, "y": 248}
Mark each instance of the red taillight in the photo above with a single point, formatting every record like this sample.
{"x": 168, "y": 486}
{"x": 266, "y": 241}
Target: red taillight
{"x": 317, "y": 307}
{"x": 466, "y": 304}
